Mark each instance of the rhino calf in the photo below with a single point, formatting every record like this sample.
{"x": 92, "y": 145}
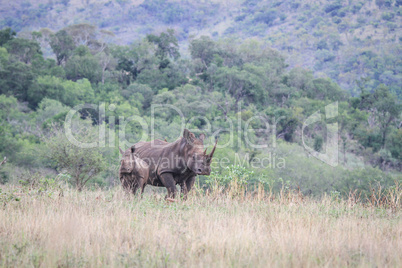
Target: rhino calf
{"x": 133, "y": 172}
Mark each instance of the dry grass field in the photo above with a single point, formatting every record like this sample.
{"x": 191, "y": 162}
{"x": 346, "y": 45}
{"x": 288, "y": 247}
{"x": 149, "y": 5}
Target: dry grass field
{"x": 60, "y": 227}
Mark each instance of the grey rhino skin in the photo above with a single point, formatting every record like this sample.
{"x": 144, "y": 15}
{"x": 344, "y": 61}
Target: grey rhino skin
{"x": 133, "y": 172}
{"x": 175, "y": 163}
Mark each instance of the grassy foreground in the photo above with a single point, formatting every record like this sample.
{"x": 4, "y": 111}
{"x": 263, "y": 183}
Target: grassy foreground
{"x": 66, "y": 228}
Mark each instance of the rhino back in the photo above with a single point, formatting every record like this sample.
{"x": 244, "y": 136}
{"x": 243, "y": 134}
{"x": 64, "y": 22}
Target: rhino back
{"x": 160, "y": 157}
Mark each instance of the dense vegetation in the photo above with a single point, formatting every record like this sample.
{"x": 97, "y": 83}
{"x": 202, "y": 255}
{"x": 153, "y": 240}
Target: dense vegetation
{"x": 223, "y": 85}
{"x": 343, "y": 40}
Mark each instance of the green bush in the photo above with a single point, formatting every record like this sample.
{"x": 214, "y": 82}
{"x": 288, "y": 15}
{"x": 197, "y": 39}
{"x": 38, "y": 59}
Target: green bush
{"x": 231, "y": 174}
{"x": 388, "y": 16}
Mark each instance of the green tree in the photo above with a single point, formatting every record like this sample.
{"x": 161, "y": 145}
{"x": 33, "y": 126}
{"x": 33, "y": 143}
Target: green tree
{"x": 9, "y": 145}
{"x": 88, "y": 35}
{"x": 4, "y": 56}
{"x": 45, "y": 87}
{"x": 48, "y": 110}
{"x": 83, "y": 65}
{"x": 82, "y": 33}
{"x": 166, "y": 46}
{"x": 386, "y": 109}
{"x": 326, "y": 89}
{"x": 204, "y": 49}
{"x": 241, "y": 84}
{"x": 67, "y": 92}
{"x": 77, "y": 92}
{"x": 395, "y": 144}
{"x": 140, "y": 92}
{"x": 6, "y": 35}
{"x": 23, "y": 50}
{"x": 383, "y": 110}
{"x": 132, "y": 60}
{"x": 62, "y": 45}
{"x": 43, "y": 37}
{"x": 16, "y": 78}
{"x": 107, "y": 63}
{"x": 300, "y": 79}
{"x": 83, "y": 164}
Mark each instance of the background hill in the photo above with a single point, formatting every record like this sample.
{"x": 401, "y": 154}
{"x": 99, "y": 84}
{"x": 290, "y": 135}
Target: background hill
{"x": 343, "y": 40}
{"x": 226, "y": 65}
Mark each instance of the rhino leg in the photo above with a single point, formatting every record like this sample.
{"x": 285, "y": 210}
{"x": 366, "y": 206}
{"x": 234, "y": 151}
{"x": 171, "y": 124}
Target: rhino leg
{"x": 143, "y": 187}
{"x": 186, "y": 186}
{"x": 134, "y": 188}
{"x": 169, "y": 182}
{"x": 139, "y": 183}
{"x": 183, "y": 190}
{"x": 136, "y": 183}
{"x": 190, "y": 183}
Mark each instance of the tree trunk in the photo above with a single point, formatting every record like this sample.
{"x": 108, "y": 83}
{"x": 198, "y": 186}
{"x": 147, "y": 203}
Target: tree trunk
{"x": 384, "y": 132}
{"x": 78, "y": 183}
{"x": 4, "y": 161}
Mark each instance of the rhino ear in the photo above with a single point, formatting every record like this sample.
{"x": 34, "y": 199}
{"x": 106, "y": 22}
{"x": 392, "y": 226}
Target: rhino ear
{"x": 186, "y": 133}
{"x": 202, "y": 137}
{"x": 188, "y": 136}
{"x": 132, "y": 149}
{"x": 121, "y": 151}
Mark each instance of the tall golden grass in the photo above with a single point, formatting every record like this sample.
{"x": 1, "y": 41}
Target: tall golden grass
{"x": 60, "y": 227}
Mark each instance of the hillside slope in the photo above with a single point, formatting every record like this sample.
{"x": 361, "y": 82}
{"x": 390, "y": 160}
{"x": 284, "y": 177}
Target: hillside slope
{"x": 343, "y": 40}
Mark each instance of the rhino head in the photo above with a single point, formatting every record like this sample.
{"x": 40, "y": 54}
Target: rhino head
{"x": 196, "y": 157}
{"x": 127, "y": 163}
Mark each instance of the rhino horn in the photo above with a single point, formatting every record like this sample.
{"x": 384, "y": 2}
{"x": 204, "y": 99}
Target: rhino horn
{"x": 121, "y": 151}
{"x": 213, "y": 150}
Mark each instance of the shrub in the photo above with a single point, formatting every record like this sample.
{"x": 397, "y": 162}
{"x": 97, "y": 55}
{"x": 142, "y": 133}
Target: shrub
{"x": 388, "y": 16}
{"x": 81, "y": 163}
{"x": 332, "y": 7}
{"x": 336, "y": 20}
{"x": 266, "y": 17}
{"x": 233, "y": 179}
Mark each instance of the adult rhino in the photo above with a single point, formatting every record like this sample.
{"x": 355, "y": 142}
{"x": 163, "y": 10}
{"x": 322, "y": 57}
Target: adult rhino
{"x": 175, "y": 163}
